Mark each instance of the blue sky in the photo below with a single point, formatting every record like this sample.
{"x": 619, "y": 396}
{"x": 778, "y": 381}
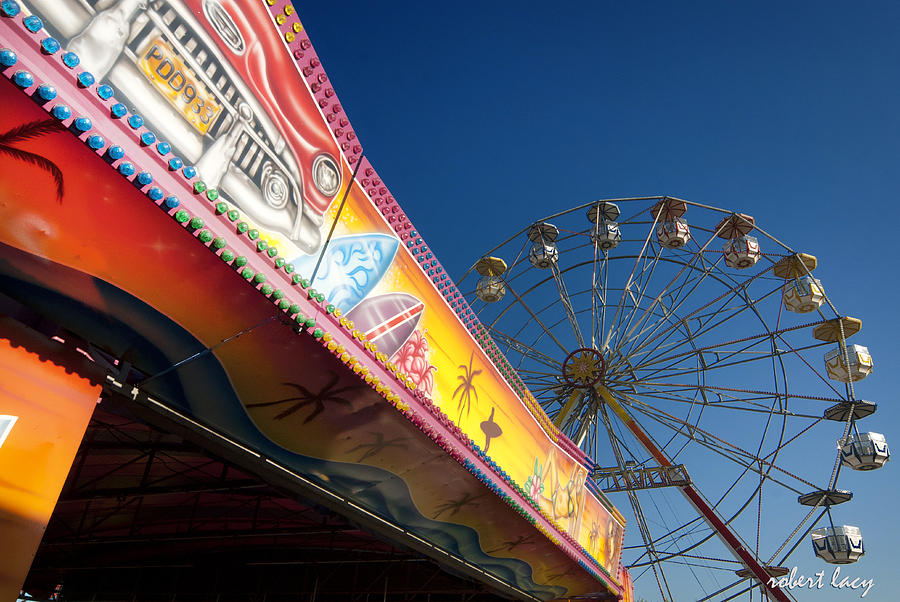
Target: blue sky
{"x": 481, "y": 117}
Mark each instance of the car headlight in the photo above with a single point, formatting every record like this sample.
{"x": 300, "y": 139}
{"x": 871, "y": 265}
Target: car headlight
{"x": 326, "y": 175}
{"x": 224, "y": 25}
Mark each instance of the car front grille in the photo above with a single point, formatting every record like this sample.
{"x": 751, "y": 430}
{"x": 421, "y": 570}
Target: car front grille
{"x": 252, "y": 150}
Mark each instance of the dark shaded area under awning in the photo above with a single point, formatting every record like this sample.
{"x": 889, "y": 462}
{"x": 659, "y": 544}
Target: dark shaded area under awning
{"x": 146, "y": 515}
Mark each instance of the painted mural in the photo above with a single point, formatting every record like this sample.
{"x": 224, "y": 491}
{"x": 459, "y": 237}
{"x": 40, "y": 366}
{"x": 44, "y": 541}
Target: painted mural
{"x": 218, "y": 81}
{"x": 413, "y": 324}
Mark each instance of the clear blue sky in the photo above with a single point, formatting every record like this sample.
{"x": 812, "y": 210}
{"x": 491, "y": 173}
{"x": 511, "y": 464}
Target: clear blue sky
{"x": 481, "y": 117}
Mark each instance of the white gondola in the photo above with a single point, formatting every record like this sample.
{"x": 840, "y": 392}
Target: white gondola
{"x": 803, "y": 295}
{"x": 741, "y": 252}
{"x": 543, "y": 253}
{"x": 838, "y": 545}
{"x": 605, "y": 232}
{"x": 543, "y": 256}
{"x": 673, "y": 233}
{"x": 859, "y": 359}
{"x": 606, "y": 235}
{"x": 866, "y": 451}
{"x": 605, "y": 211}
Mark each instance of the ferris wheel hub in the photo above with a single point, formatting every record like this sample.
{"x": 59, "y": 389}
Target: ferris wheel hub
{"x": 584, "y": 368}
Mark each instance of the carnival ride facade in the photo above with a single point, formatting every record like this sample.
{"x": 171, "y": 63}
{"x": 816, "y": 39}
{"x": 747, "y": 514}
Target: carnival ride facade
{"x": 183, "y": 191}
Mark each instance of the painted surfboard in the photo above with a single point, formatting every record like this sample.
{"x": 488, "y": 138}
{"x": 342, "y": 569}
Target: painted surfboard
{"x": 351, "y": 267}
{"x": 388, "y": 320}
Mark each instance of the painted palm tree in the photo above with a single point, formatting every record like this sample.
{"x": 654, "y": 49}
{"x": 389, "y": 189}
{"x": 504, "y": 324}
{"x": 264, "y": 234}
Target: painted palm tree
{"x": 560, "y": 575}
{"x": 327, "y": 395}
{"x": 378, "y": 445}
{"x": 509, "y": 546}
{"x": 467, "y": 387}
{"x": 30, "y": 131}
{"x": 455, "y": 506}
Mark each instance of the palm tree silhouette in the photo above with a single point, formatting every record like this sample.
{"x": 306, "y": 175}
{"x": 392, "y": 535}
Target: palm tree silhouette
{"x": 28, "y": 131}
{"x": 456, "y": 505}
{"x": 328, "y": 394}
{"x": 378, "y": 445}
{"x": 509, "y": 546}
{"x": 467, "y": 387}
{"x": 556, "y": 576}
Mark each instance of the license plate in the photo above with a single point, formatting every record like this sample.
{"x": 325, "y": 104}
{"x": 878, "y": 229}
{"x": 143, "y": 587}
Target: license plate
{"x": 179, "y": 85}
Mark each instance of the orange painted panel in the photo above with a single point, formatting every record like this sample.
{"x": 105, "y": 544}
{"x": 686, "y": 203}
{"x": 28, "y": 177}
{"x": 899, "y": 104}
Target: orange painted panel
{"x": 627, "y": 586}
{"x": 43, "y": 414}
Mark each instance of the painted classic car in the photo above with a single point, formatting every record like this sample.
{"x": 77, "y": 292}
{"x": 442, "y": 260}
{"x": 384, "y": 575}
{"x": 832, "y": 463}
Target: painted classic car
{"x": 212, "y": 78}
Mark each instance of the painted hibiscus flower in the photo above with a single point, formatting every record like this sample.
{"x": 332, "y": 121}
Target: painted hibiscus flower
{"x": 412, "y": 359}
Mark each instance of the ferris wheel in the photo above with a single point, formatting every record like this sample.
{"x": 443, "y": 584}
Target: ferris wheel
{"x": 702, "y": 366}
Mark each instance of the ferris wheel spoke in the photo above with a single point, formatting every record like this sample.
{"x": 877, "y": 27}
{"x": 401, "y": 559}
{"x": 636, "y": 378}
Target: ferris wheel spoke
{"x": 599, "y": 272}
{"x": 800, "y": 539}
{"x": 730, "y": 561}
{"x": 706, "y": 439}
{"x": 753, "y": 404}
{"x": 631, "y": 338}
{"x": 710, "y": 359}
{"x": 728, "y": 536}
{"x": 716, "y": 346}
{"x": 525, "y": 350}
{"x": 680, "y": 552}
{"x": 681, "y": 539}
{"x": 784, "y": 443}
{"x": 625, "y": 320}
{"x": 770, "y": 411}
{"x": 528, "y": 374}
{"x": 729, "y": 293}
{"x": 543, "y": 386}
{"x": 573, "y": 416}
{"x": 625, "y": 287}
{"x": 673, "y": 370}
{"x": 658, "y": 572}
{"x": 702, "y": 315}
{"x": 641, "y": 282}
{"x": 685, "y": 266}
{"x": 567, "y": 304}
{"x": 716, "y": 389}
{"x": 534, "y": 316}
{"x": 727, "y": 588}
{"x": 516, "y": 262}
{"x": 663, "y": 315}
{"x": 547, "y": 394}
{"x": 691, "y": 528}
{"x": 666, "y": 344}
{"x": 726, "y": 314}
{"x": 700, "y": 353}
{"x": 602, "y": 295}
{"x": 818, "y": 374}
{"x": 723, "y": 314}
{"x": 586, "y": 425}
{"x": 595, "y": 293}
{"x": 727, "y": 450}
